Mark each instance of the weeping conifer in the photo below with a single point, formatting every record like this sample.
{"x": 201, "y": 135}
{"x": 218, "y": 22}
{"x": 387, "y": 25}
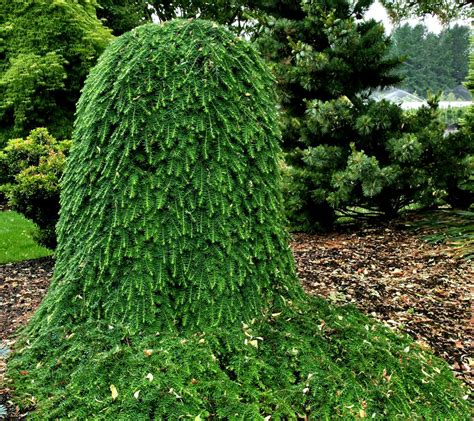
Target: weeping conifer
{"x": 174, "y": 294}
{"x": 172, "y": 188}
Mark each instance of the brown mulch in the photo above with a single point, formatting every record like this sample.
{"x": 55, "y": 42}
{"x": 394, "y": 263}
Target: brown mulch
{"x": 400, "y": 280}
{"x": 387, "y": 272}
{"x": 22, "y": 287}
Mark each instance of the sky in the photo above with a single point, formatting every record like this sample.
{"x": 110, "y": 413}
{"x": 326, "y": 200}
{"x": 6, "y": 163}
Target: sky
{"x": 378, "y": 12}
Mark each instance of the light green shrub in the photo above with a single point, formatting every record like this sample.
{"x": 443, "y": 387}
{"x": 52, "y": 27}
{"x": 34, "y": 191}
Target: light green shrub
{"x": 30, "y": 170}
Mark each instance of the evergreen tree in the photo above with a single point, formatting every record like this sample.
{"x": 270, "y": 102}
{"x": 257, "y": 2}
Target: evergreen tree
{"x": 470, "y": 75}
{"x": 46, "y": 50}
{"x": 174, "y": 293}
{"x": 228, "y": 12}
{"x": 123, "y": 15}
{"x": 445, "y": 10}
{"x": 320, "y": 51}
{"x": 432, "y": 62}
{"x": 456, "y": 40}
{"x": 198, "y": 193}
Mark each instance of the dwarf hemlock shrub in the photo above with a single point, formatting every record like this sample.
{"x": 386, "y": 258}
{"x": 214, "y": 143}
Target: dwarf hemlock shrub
{"x": 174, "y": 294}
{"x": 172, "y": 187}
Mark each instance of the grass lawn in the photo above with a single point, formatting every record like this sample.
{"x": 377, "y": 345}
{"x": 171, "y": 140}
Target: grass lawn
{"x": 16, "y": 239}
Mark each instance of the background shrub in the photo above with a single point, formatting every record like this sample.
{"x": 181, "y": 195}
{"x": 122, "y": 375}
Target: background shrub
{"x": 47, "y": 47}
{"x": 30, "y": 170}
{"x": 456, "y": 160}
{"x": 368, "y": 158}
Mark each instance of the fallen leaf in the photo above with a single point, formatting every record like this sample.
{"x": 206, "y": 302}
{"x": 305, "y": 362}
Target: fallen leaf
{"x": 114, "y": 392}
{"x": 253, "y": 342}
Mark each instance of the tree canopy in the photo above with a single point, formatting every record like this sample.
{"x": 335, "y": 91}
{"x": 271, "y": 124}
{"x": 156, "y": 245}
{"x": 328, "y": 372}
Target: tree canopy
{"x": 123, "y": 15}
{"x": 47, "y": 50}
{"x": 433, "y": 62}
{"x": 445, "y": 10}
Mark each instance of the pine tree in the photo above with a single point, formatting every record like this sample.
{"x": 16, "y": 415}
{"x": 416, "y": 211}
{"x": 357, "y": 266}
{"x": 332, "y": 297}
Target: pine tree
{"x": 174, "y": 293}
{"x": 470, "y": 76}
{"x": 320, "y": 51}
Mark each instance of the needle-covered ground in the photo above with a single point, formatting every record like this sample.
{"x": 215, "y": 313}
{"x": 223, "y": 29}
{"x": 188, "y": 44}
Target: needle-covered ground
{"x": 391, "y": 274}
{"x": 314, "y": 361}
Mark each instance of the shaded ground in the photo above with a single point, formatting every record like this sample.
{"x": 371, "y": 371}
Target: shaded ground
{"x": 387, "y": 272}
{"x": 22, "y": 286}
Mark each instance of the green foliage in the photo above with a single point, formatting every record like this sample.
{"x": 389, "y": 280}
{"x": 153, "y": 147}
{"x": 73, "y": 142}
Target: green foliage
{"x": 375, "y": 157}
{"x": 321, "y": 52}
{"x": 455, "y": 228}
{"x": 445, "y": 10}
{"x": 457, "y": 158}
{"x": 30, "y": 170}
{"x": 352, "y": 156}
{"x": 453, "y": 116}
{"x": 172, "y": 184}
{"x": 222, "y": 11}
{"x": 470, "y": 76}
{"x": 17, "y": 240}
{"x": 434, "y": 62}
{"x": 46, "y": 50}
{"x": 27, "y": 86}
{"x": 310, "y": 359}
{"x": 123, "y": 15}
{"x": 174, "y": 293}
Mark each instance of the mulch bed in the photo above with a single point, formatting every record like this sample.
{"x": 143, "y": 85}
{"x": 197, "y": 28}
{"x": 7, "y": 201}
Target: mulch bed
{"x": 387, "y": 272}
{"x": 393, "y": 276}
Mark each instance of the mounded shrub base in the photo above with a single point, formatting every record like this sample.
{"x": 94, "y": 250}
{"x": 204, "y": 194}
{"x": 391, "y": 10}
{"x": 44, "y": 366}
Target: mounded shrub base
{"x": 307, "y": 359}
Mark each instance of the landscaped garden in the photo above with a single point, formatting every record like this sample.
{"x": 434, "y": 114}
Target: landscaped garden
{"x": 214, "y": 218}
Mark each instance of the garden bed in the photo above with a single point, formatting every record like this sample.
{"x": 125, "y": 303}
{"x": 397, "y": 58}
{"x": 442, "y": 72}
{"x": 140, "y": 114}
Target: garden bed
{"x": 392, "y": 275}
{"x": 387, "y": 272}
